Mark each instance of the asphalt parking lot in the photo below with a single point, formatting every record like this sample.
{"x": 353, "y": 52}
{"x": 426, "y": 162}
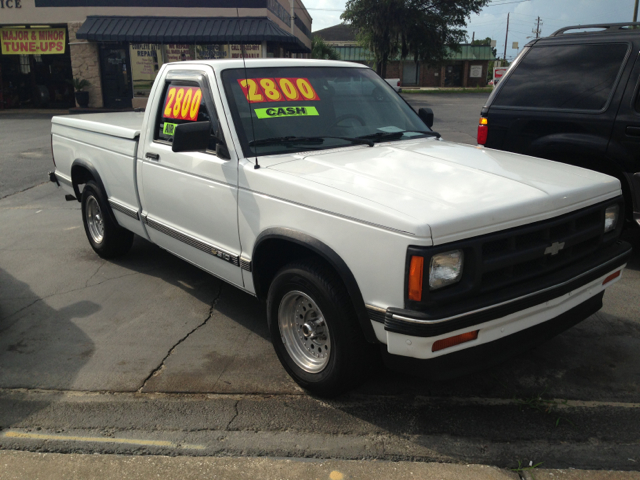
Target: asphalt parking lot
{"x": 148, "y": 349}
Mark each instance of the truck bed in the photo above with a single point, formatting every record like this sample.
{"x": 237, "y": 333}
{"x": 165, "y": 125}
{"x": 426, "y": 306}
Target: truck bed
{"x": 123, "y": 125}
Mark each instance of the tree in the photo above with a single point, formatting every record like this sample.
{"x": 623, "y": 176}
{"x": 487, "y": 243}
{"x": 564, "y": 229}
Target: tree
{"x": 424, "y": 29}
{"x": 320, "y": 49}
{"x": 486, "y": 41}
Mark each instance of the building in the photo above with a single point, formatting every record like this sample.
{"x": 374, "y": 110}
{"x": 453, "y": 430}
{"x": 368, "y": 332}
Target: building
{"x": 466, "y": 68}
{"x": 118, "y": 46}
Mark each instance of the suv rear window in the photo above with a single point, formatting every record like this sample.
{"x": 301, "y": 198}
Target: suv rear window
{"x": 577, "y": 77}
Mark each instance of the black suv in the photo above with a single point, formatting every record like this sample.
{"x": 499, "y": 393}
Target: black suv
{"x": 574, "y": 97}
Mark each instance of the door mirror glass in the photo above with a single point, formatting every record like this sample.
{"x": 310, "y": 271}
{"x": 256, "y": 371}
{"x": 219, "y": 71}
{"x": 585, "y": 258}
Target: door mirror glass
{"x": 191, "y": 137}
{"x": 426, "y": 114}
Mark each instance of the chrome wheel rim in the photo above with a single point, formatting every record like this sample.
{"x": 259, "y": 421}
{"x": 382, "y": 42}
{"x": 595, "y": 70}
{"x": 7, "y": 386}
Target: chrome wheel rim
{"x": 304, "y": 332}
{"x": 94, "y": 220}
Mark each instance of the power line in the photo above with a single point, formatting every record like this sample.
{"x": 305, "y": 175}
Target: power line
{"x": 537, "y": 30}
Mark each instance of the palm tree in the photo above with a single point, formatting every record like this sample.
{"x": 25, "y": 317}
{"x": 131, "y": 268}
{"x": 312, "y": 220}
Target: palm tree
{"x": 320, "y": 49}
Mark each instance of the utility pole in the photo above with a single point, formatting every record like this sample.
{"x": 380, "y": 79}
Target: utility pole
{"x": 635, "y": 12}
{"x": 473, "y": 37}
{"x": 536, "y": 31}
{"x": 506, "y": 38}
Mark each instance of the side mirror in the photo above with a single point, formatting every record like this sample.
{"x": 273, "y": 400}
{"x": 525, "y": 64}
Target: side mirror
{"x": 222, "y": 151}
{"x": 221, "y": 148}
{"x": 426, "y": 114}
{"x": 191, "y": 137}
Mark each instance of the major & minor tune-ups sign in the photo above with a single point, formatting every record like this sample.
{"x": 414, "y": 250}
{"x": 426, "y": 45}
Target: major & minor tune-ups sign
{"x": 34, "y": 41}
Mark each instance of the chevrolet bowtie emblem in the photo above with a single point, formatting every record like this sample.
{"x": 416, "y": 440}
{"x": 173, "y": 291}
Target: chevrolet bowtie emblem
{"x": 554, "y": 248}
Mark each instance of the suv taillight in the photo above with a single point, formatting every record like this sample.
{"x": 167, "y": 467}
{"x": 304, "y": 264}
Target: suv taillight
{"x": 483, "y": 131}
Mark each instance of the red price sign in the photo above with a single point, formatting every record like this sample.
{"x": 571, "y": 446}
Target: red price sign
{"x": 182, "y": 103}
{"x": 258, "y": 90}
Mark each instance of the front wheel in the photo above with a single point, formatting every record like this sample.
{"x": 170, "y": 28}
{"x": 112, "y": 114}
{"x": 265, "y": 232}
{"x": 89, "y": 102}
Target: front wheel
{"x": 314, "y": 329}
{"x": 107, "y": 238}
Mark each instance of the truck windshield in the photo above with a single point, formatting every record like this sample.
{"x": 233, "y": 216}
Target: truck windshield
{"x": 293, "y": 109}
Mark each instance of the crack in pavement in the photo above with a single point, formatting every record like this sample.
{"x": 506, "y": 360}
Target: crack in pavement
{"x": 24, "y": 190}
{"x": 86, "y": 284}
{"x": 156, "y": 371}
{"x": 235, "y": 408}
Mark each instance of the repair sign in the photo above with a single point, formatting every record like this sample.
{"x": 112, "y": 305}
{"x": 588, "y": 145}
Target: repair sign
{"x": 34, "y": 41}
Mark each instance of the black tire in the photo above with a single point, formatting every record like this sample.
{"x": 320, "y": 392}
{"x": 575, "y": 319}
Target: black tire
{"x": 97, "y": 218}
{"x": 350, "y": 357}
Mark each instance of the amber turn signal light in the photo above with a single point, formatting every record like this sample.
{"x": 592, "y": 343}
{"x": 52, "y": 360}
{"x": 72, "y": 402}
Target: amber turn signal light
{"x": 415, "y": 278}
{"x": 453, "y": 341}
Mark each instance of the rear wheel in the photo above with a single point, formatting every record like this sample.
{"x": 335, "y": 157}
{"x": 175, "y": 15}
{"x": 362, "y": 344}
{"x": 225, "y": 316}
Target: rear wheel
{"x": 314, "y": 329}
{"x": 106, "y": 237}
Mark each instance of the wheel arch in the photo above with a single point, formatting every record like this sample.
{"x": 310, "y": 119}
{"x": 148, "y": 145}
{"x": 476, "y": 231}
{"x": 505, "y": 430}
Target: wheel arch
{"x": 268, "y": 258}
{"x": 83, "y": 171}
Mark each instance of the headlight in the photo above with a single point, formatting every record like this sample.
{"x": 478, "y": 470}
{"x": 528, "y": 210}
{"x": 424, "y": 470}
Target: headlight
{"x": 445, "y": 269}
{"x": 611, "y": 218}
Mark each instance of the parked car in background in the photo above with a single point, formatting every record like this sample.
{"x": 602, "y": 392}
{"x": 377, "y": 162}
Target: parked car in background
{"x": 395, "y": 83}
{"x": 574, "y": 97}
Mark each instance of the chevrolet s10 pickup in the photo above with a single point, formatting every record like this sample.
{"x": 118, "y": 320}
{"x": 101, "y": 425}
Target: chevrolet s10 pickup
{"x": 315, "y": 187}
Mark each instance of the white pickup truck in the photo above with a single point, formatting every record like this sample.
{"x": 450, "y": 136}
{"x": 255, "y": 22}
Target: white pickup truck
{"x": 315, "y": 187}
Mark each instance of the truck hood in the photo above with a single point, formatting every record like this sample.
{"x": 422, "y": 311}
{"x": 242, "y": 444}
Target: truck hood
{"x": 456, "y": 191}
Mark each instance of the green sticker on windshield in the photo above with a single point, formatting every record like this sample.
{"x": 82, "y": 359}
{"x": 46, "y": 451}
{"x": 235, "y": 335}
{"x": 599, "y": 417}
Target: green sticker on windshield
{"x": 279, "y": 112}
{"x": 169, "y": 128}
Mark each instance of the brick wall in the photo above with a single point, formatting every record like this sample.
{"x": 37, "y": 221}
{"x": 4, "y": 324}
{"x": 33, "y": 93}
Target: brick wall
{"x": 429, "y": 76}
{"x": 434, "y": 76}
{"x": 85, "y": 64}
{"x": 394, "y": 70}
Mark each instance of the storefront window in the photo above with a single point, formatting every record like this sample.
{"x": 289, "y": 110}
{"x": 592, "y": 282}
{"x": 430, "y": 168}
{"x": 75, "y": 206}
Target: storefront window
{"x": 146, "y": 60}
{"x": 179, "y": 53}
{"x": 211, "y": 52}
{"x": 25, "y": 65}
{"x": 251, "y": 51}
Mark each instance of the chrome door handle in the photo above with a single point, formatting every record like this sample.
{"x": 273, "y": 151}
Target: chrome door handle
{"x": 153, "y": 156}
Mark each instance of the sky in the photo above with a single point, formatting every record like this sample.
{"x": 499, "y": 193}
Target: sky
{"x": 492, "y": 20}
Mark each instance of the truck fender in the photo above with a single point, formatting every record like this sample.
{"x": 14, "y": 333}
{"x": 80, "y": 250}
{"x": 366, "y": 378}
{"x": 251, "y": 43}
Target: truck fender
{"x": 332, "y": 258}
{"x": 87, "y": 165}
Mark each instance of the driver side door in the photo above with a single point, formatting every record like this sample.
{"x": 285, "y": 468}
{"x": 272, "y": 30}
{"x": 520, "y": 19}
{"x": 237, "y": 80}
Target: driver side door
{"x": 190, "y": 198}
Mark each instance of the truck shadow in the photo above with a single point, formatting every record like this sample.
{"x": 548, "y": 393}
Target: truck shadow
{"x": 40, "y": 348}
{"x": 149, "y": 259}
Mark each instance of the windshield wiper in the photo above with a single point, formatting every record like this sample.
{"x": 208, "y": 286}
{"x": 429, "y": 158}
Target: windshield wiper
{"x": 382, "y": 136}
{"x": 311, "y": 140}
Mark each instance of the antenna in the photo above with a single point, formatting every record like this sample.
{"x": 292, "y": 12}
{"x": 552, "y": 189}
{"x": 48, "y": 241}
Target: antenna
{"x": 246, "y": 80}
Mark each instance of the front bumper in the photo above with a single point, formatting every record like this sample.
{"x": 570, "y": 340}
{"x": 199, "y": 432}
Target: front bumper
{"x": 410, "y": 334}
{"x": 479, "y": 356}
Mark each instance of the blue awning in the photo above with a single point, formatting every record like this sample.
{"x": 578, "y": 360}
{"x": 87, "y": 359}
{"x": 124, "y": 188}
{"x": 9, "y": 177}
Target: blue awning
{"x": 202, "y": 30}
